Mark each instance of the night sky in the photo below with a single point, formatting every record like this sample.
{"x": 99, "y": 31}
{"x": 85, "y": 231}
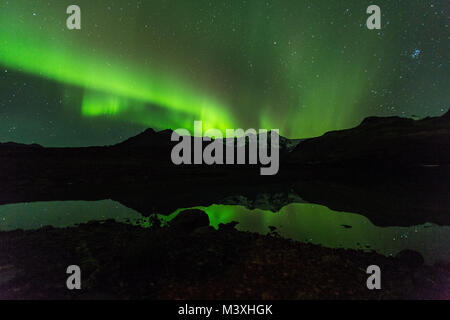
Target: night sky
{"x": 304, "y": 67}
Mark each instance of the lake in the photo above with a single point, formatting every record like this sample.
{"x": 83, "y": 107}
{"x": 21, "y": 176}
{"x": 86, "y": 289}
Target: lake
{"x": 298, "y": 221}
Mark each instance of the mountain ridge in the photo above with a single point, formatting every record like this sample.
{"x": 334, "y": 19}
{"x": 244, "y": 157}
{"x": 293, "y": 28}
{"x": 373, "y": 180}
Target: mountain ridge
{"x": 152, "y": 138}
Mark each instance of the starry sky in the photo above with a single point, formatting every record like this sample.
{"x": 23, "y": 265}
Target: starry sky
{"x": 303, "y": 67}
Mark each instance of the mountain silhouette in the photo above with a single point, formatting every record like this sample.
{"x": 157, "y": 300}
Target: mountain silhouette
{"x": 393, "y": 170}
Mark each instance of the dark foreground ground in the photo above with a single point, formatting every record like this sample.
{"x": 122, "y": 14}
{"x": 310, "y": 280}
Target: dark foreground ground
{"x": 191, "y": 261}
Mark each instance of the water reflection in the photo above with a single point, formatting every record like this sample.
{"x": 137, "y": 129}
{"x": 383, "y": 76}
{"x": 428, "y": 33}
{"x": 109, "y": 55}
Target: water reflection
{"x": 60, "y": 214}
{"x": 303, "y": 222}
{"x": 320, "y": 225}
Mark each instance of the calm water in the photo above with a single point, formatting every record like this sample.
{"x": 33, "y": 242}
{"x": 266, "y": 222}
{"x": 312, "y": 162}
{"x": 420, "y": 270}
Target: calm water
{"x": 303, "y": 222}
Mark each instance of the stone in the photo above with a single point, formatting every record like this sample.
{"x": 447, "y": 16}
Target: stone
{"x": 189, "y": 220}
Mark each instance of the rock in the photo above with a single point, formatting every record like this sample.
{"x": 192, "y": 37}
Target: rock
{"x": 228, "y": 226}
{"x": 410, "y": 257}
{"x": 189, "y": 220}
{"x": 204, "y": 230}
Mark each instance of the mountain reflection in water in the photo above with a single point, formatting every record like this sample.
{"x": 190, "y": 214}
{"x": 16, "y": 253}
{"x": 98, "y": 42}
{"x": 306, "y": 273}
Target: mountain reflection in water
{"x": 298, "y": 221}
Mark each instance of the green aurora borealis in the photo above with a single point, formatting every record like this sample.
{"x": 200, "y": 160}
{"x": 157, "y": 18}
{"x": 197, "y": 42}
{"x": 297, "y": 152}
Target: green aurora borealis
{"x": 304, "y": 67}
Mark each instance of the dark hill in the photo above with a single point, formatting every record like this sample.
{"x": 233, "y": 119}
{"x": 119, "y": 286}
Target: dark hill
{"x": 377, "y": 141}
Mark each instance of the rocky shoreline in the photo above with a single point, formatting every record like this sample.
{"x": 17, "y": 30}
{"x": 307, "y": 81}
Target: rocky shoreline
{"x": 191, "y": 260}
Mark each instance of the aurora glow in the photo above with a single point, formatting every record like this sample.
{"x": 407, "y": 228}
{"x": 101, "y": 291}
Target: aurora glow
{"x": 55, "y": 59}
{"x": 304, "y": 67}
